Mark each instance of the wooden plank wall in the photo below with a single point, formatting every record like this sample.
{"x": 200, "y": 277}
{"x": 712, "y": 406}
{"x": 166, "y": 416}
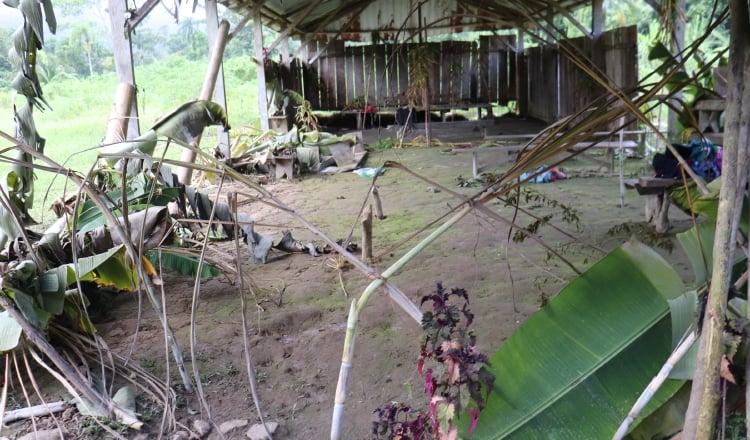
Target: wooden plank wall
{"x": 497, "y": 68}
{"x": 465, "y": 72}
{"x": 379, "y": 74}
{"x": 616, "y": 52}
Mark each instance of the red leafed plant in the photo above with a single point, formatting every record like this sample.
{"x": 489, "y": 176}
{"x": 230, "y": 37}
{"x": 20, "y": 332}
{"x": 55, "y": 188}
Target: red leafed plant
{"x": 457, "y": 376}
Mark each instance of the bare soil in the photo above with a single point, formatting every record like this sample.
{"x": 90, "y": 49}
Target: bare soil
{"x": 297, "y": 317}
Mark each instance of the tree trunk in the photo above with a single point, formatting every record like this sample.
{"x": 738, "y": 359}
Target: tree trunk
{"x": 700, "y": 418}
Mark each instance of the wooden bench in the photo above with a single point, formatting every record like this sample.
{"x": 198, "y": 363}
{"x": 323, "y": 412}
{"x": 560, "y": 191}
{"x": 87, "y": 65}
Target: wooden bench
{"x": 656, "y": 191}
{"x": 509, "y": 150}
{"x": 444, "y": 109}
{"x": 512, "y": 149}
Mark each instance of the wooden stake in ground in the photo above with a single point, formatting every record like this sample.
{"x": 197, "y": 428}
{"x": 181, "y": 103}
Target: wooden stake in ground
{"x": 367, "y": 234}
{"x": 378, "y": 206}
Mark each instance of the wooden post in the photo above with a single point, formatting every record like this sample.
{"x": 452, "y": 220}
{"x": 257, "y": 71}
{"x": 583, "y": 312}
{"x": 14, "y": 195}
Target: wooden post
{"x": 209, "y": 82}
{"x": 378, "y": 206}
{"x": 220, "y": 96}
{"x": 522, "y": 89}
{"x": 119, "y": 117}
{"x": 123, "y": 53}
{"x": 367, "y": 234}
{"x": 598, "y": 18}
{"x": 260, "y": 69}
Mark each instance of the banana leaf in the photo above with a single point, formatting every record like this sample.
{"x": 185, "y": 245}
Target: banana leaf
{"x": 110, "y": 268}
{"x": 10, "y": 332}
{"x": 185, "y": 123}
{"x": 140, "y": 195}
{"x": 574, "y": 369}
{"x": 183, "y": 264}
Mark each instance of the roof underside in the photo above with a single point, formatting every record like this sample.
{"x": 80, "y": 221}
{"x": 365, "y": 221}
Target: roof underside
{"x": 398, "y": 19}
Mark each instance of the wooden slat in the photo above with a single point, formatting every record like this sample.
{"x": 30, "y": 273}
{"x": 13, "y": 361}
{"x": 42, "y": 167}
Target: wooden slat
{"x": 311, "y": 78}
{"x": 327, "y": 80}
{"x": 350, "y": 75}
{"x": 485, "y": 86}
{"x": 474, "y": 71}
{"x": 371, "y": 90}
{"x": 378, "y": 74}
{"x": 511, "y": 60}
{"x": 336, "y": 68}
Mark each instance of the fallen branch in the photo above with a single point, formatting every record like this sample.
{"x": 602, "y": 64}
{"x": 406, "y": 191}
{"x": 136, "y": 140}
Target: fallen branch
{"x": 34, "y": 411}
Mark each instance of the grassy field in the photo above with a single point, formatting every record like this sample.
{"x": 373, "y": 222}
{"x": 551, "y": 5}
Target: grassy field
{"x": 75, "y": 127}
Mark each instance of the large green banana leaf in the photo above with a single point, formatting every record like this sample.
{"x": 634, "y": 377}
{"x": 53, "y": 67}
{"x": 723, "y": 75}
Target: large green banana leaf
{"x": 574, "y": 369}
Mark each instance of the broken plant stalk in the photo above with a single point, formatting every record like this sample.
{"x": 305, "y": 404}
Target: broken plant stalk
{"x": 356, "y": 308}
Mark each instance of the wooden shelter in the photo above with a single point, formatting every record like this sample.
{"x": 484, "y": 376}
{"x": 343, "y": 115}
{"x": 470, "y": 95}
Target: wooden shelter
{"x": 357, "y": 52}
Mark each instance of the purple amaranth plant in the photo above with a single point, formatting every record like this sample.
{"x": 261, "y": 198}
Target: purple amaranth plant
{"x": 450, "y": 343}
{"x": 397, "y": 421}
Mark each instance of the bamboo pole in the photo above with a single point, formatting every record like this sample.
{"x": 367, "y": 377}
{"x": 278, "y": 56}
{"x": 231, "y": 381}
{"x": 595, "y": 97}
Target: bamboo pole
{"x": 185, "y": 174}
{"x": 119, "y": 117}
{"x": 655, "y": 384}
{"x": 34, "y": 411}
{"x": 346, "y": 366}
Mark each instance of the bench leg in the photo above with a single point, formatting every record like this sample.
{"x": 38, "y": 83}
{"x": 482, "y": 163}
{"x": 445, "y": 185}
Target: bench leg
{"x": 657, "y": 211}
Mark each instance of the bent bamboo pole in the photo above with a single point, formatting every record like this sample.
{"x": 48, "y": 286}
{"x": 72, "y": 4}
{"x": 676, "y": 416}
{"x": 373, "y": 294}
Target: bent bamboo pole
{"x": 346, "y": 359}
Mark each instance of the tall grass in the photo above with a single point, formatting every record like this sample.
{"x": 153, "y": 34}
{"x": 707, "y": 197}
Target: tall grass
{"x": 76, "y": 125}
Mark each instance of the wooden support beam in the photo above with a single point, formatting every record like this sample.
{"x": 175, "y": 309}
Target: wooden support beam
{"x": 338, "y": 34}
{"x": 220, "y": 95}
{"x": 137, "y": 17}
{"x": 184, "y": 175}
{"x": 598, "y": 18}
{"x": 123, "y": 54}
{"x": 260, "y": 70}
{"x": 239, "y": 26}
{"x": 288, "y": 30}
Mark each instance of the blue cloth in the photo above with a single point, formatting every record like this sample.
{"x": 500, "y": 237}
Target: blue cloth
{"x": 703, "y": 155}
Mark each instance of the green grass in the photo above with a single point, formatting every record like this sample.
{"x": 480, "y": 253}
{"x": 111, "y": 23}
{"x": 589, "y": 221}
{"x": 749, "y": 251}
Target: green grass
{"x": 77, "y": 124}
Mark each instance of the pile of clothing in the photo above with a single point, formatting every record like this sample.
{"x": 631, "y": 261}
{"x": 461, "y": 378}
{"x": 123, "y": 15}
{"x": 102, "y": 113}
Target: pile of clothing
{"x": 703, "y": 157}
{"x": 544, "y": 175}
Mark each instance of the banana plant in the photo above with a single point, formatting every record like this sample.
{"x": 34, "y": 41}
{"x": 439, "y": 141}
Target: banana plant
{"x": 18, "y": 183}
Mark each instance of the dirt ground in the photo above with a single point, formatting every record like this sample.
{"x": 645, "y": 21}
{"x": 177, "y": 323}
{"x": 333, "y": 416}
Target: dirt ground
{"x": 297, "y": 327}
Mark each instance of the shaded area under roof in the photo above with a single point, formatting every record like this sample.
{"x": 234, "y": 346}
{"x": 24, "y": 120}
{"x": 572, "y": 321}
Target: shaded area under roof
{"x": 395, "y": 20}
